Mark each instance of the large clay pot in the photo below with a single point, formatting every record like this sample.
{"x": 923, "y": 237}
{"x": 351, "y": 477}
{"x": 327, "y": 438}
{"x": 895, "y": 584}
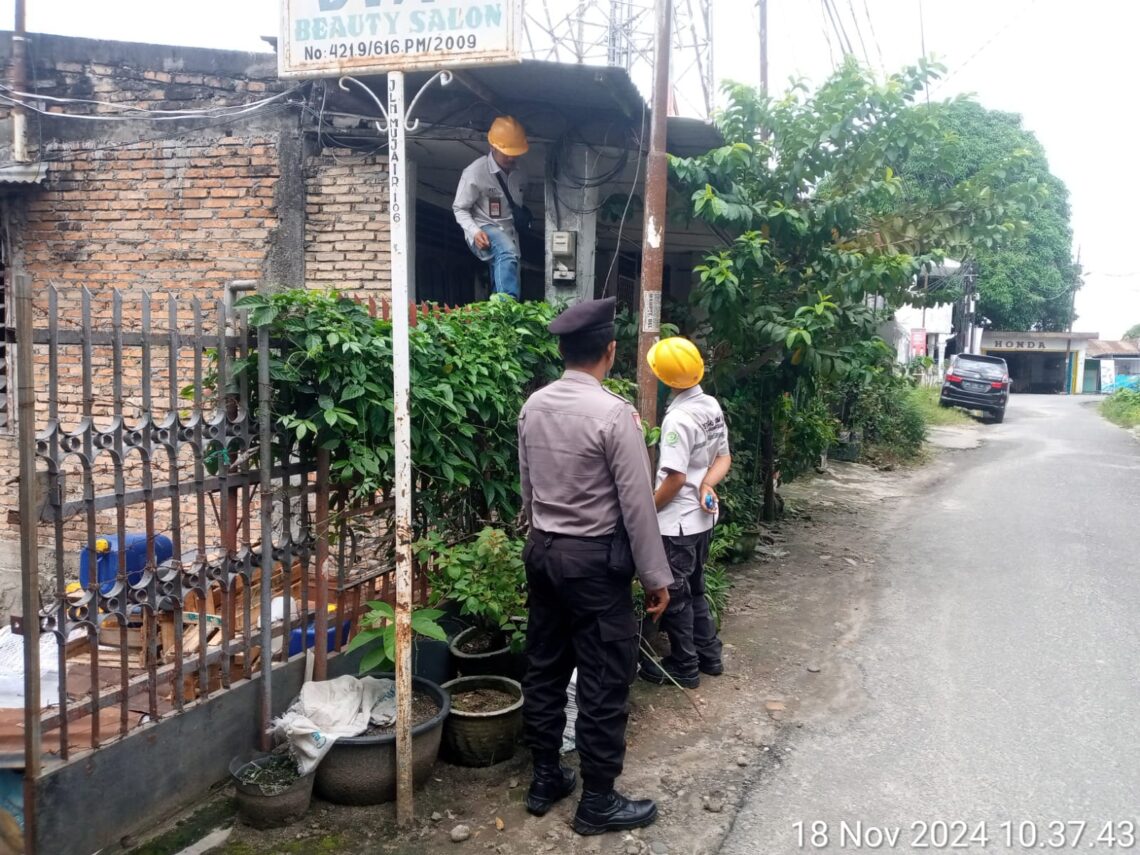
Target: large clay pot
{"x": 482, "y": 738}
{"x": 361, "y": 770}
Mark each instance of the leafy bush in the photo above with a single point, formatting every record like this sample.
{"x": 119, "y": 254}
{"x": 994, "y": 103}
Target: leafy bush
{"x": 1122, "y": 407}
{"x": 471, "y": 371}
{"x": 805, "y": 429}
{"x": 485, "y": 577}
{"x": 889, "y": 418}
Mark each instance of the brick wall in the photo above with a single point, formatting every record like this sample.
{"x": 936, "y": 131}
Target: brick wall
{"x": 346, "y": 222}
{"x": 170, "y": 208}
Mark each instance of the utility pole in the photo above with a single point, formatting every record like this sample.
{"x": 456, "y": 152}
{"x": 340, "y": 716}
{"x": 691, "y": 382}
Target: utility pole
{"x": 767, "y": 422}
{"x": 763, "y": 47}
{"x": 1069, "y": 347}
{"x": 19, "y": 77}
{"x": 653, "y": 240}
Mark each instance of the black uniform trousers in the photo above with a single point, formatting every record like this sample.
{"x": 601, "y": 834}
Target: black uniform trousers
{"x": 687, "y": 619}
{"x": 580, "y": 615}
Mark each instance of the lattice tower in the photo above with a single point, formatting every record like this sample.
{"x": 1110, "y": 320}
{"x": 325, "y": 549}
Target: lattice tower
{"x": 620, "y": 33}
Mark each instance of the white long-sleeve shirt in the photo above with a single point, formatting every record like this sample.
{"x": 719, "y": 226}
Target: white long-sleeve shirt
{"x": 479, "y": 200}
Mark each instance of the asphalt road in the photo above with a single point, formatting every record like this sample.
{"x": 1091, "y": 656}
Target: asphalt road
{"x": 998, "y": 673}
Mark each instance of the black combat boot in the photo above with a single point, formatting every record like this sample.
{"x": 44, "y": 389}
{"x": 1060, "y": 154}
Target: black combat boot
{"x": 665, "y": 673}
{"x": 552, "y": 783}
{"x": 599, "y": 812}
{"x": 712, "y": 667}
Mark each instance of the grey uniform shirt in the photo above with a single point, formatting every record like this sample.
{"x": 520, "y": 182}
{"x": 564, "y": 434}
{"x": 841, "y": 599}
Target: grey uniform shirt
{"x": 583, "y": 464}
{"x": 480, "y": 201}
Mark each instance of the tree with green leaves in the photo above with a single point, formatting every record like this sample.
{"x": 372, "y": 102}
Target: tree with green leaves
{"x": 1133, "y": 334}
{"x": 821, "y": 233}
{"x": 1027, "y": 282}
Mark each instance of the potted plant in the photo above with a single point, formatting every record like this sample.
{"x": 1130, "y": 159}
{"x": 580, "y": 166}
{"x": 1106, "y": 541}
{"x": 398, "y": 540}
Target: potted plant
{"x": 486, "y": 579}
{"x": 378, "y": 634}
{"x": 271, "y": 791}
{"x": 361, "y": 770}
{"x": 485, "y": 720}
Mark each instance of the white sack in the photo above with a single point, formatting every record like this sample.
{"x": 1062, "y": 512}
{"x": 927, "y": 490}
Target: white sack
{"x": 329, "y": 709}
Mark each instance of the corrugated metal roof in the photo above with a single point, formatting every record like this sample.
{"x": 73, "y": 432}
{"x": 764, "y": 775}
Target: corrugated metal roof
{"x": 22, "y": 173}
{"x": 548, "y": 97}
{"x": 1128, "y": 348}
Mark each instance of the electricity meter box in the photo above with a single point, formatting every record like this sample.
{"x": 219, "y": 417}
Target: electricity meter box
{"x": 564, "y": 250}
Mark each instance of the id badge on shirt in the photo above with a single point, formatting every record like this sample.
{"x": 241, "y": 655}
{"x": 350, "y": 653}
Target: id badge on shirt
{"x": 495, "y": 207}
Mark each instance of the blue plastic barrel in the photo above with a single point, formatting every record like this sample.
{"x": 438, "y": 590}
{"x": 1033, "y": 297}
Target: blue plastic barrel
{"x": 107, "y": 561}
{"x": 311, "y": 637}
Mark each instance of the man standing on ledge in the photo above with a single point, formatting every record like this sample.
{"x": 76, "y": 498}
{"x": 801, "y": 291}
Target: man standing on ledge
{"x": 490, "y": 191}
{"x": 587, "y": 493}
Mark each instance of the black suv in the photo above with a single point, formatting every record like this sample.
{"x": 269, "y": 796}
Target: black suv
{"x": 977, "y": 383}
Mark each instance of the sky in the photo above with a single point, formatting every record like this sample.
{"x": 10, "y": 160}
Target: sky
{"x": 1066, "y": 68}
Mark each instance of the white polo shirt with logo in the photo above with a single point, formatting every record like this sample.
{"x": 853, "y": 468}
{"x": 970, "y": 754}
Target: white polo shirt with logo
{"x": 693, "y": 435}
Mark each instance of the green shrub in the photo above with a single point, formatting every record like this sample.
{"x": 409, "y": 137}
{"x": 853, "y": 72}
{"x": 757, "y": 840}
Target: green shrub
{"x": 885, "y": 411}
{"x": 1122, "y": 407}
{"x": 471, "y": 371}
{"x": 805, "y": 429}
{"x": 926, "y": 399}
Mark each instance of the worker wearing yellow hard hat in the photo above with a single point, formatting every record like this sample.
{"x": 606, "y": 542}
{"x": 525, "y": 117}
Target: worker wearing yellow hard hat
{"x": 694, "y": 458}
{"x": 676, "y": 362}
{"x": 489, "y": 204}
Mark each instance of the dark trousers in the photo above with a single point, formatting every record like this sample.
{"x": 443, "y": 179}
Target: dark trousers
{"x": 580, "y": 615}
{"x": 687, "y": 620}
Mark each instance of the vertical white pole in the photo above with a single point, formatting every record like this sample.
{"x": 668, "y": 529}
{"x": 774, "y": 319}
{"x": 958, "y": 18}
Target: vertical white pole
{"x": 29, "y": 552}
{"x": 401, "y": 378}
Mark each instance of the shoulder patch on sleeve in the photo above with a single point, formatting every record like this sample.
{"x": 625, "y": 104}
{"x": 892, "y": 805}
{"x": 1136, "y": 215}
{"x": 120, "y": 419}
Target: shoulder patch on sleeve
{"x": 671, "y": 438}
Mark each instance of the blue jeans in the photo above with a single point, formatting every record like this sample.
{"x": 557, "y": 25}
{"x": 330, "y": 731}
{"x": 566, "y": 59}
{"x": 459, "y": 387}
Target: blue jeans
{"x": 503, "y": 257}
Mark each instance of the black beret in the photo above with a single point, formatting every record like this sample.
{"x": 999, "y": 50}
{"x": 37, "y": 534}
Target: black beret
{"x": 586, "y": 316}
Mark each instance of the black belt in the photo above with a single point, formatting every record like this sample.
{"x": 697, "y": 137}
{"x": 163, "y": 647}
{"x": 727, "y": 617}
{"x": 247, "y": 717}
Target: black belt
{"x": 549, "y": 536}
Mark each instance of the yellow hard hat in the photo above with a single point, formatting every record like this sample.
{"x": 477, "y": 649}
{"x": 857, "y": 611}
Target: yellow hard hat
{"x": 507, "y": 135}
{"x": 676, "y": 362}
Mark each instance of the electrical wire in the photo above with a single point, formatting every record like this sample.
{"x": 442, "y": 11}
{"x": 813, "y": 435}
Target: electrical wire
{"x": 70, "y": 153}
{"x": 1012, "y": 20}
{"x": 561, "y": 173}
{"x": 135, "y": 114}
{"x": 874, "y": 36}
{"x": 628, "y": 201}
{"x": 858, "y": 31}
{"x": 826, "y": 34}
{"x": 837, "y": 25}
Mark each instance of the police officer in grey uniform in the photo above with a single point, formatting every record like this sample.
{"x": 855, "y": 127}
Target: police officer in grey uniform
{"x": 587, "y": 493}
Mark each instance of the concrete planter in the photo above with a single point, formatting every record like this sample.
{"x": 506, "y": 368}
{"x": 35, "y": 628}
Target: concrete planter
{"x": 482, "y": 738}
{"x": 272, "y": 809}
{"x": 361, "y": 770}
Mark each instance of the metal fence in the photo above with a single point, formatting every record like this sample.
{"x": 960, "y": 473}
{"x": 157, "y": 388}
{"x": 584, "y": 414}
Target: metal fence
{"x": 201, "y": 537}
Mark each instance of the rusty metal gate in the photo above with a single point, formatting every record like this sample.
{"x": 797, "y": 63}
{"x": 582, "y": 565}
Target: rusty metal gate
{"x": 170, "y": 538}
